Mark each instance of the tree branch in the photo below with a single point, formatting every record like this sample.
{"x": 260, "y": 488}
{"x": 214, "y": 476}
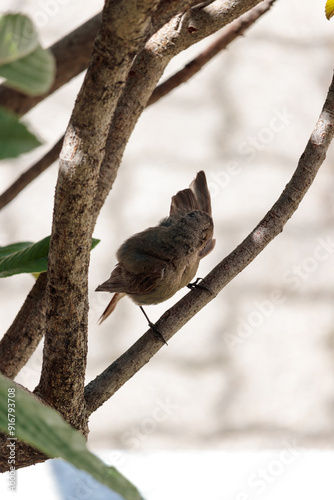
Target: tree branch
{"x": 233, "y": 31}
{"x": 236, "y": 29}
{"x": 31, "y": 174}
{"x": 107, "y": 383}
{"x": 23, "y": 336}
{"x": 180, "y": 33}
{"x": 72, "y": 54}
{"x": 168, "y": 9}
{"x": 124, "y": 30}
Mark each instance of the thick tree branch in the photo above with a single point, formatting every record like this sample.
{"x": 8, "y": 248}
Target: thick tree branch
{"x": 72, "y": 54}
{"x": 180, "y": 33}
{"x": 124, "y": 31}
{"x": 23, "y": 336}
{"x": 105, "y": 385}
{"x": 230, "y": 33}
{"x": 168, "y": 9}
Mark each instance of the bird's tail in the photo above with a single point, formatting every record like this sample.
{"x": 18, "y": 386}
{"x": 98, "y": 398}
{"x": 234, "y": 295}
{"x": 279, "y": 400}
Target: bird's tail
{"x": 111, "y": 306}
{"x": 196, "y": 197}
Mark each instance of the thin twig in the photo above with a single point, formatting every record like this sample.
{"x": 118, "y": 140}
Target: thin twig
{"x": 31, "y": 174}
{"x": 107, "y": 383}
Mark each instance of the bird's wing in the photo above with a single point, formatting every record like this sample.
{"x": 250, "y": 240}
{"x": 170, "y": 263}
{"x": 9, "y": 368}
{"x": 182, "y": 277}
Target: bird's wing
{"x": 123, "y": 281}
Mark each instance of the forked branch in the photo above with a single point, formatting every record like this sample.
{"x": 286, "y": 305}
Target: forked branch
{"x": 72, "y": 45}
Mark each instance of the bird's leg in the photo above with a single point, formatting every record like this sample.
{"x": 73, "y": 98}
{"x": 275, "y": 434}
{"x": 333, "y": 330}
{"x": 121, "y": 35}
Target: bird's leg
{"x": 151, "y": 325}
{"x": 196, "y": 285}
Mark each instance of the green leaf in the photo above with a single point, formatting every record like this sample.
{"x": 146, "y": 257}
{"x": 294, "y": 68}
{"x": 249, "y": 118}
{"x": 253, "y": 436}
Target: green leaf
{"x": 95, "y": 241}
{"x": 45, "y": 429}
{"x": 29, "y": 258}
{"x": 18, "y": 37}
{"x": 14, "y": 247}
{"x": 15, "y": 137}
{"x": 32, "y": 74}
{"x": 32, "y": 259}
{"x": 329, "y": 8}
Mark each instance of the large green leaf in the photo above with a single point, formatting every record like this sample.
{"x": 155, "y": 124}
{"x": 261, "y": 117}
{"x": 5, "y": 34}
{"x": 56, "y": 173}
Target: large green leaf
{"x": 32, "y": 74}
{"x": 26, "y": 257}
{"x": 15, "y": 137}
{"x": 44, "y": 428}
{"x": 18, "y": 37}
{"x": 14, "y": 247}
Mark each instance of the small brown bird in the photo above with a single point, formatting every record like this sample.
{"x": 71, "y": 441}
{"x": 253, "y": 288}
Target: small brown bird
{"x": 154, "y": 264}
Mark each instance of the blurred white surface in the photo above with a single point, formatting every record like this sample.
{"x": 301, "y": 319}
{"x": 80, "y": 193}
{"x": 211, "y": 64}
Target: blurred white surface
{"x": 288, "y": 473}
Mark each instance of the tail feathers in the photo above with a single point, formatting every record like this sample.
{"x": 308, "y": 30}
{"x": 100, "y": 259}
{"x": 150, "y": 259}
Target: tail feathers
{"x": 202, "y": 194}
{"x": 183, "y": 202}
{"x": 196, "y": 197}
{"x": 111, "y": 306}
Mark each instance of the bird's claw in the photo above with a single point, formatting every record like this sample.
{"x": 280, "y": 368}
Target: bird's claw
{"x": 196, "y": 285}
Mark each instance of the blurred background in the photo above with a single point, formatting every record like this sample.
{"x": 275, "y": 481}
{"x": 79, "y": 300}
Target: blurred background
{"x": 254, "y": 369}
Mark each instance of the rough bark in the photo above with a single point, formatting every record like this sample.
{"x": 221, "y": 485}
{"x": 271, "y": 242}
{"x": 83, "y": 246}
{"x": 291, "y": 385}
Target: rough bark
{"x": 124, "y": 30}
{"x": 25, "y": 333}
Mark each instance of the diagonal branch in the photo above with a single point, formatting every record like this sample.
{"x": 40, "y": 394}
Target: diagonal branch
{"x": 31, "y": 174}
{"x": 72, "y": 54}
{"x": 179, "y": 34}
{"x": 23, "y": 336}
{"x": 228, "y": 35}
{"x": 236, "y": 29}
{"x": 107, "y": 383}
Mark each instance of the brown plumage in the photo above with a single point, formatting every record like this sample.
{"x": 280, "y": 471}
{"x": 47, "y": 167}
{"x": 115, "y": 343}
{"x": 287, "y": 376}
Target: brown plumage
{"x": 154, "y": 264}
